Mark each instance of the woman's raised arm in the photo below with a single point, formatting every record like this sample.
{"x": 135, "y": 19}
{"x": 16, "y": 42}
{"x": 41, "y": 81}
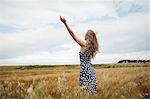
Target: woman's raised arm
{"x": 77, "y": 39}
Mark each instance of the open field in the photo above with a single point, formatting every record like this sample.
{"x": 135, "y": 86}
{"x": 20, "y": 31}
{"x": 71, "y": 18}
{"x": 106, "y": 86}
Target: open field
{"x": 62, "y": 82}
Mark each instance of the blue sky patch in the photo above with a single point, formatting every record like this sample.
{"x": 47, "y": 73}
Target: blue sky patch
{"x": 8, "y": 29}
{"x": 130, "y": 8}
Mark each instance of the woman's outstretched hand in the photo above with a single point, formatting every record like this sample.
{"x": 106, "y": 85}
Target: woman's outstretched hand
{"x": 62, "y": 19}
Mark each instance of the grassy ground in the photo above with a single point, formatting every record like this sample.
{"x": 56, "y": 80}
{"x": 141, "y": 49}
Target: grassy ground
{"x": 62, "y": 82}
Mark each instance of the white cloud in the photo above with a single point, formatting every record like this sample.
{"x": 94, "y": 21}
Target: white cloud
{"x": 44, "y": 57}
{"x": 71, "y": 56}
{"x": 28, "y": 14}
{"x": 42, "y": 39}
{"x": 115, "y": 57}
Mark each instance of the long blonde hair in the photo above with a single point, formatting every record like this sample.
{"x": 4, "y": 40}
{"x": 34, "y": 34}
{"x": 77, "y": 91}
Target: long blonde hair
{"x": 92, "y": 45}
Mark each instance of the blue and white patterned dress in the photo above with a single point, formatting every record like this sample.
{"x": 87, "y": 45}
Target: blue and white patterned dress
{"x": 87, "y": 74}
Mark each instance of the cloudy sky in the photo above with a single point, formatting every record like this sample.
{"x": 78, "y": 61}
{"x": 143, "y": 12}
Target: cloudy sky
{"x": 31, "y": 32}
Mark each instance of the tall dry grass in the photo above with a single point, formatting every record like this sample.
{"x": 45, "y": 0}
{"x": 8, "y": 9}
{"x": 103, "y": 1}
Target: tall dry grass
{"x": 112, "y": 83}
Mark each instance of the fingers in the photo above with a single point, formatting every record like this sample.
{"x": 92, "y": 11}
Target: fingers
{"x": 62, "y": 19}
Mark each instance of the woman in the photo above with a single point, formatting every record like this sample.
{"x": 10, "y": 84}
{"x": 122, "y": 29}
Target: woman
{"x": 88, "y": 50}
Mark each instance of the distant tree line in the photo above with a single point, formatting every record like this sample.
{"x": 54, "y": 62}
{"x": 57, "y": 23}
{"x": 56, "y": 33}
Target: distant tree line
{"x": 134, "y": 61}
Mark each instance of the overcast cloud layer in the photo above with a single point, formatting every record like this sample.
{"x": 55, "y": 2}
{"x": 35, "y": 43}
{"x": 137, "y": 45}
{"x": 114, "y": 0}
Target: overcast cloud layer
{"x": 31, "y": 32}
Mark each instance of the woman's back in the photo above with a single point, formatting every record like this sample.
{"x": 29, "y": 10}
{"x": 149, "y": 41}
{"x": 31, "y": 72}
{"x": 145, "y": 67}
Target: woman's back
{"x": 87, "y": 73}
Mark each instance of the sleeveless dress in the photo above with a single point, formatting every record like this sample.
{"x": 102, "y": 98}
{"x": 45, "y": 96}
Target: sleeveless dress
{"x": 87, "y": 74}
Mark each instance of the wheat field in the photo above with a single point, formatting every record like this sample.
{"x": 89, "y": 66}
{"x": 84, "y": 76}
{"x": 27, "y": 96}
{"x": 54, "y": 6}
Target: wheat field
{"x": 127, "y": 82}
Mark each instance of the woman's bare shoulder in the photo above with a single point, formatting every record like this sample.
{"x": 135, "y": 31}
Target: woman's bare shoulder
{"x": 82, "y": 48}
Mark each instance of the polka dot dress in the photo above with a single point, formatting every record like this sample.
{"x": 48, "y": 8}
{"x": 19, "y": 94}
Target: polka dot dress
{"x": 87, "y": 74}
